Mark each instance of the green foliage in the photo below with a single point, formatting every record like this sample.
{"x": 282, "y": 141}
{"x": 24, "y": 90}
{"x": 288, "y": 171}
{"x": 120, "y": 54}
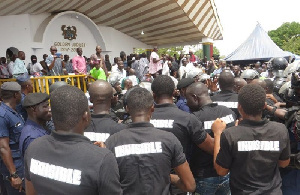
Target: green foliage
{"x": 199, "y": 53}
{"x": 171, "y": 51}
{"x": 293, "y": 45}
{"x": 287, "y": 37}
{"x": 216, "y": 51}
{"x": 139, "y": 51}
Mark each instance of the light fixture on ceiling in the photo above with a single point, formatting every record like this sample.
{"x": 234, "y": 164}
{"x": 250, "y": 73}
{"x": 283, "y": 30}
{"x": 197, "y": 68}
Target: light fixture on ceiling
{"x": 142, "y": 32}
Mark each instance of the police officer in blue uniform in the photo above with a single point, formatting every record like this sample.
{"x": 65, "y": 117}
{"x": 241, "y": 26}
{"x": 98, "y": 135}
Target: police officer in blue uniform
{"x": 182, "y": 86}
{"x": 26, "y": 88}
{"x": 38, "y": 110}
{"x": 11, "y": 124}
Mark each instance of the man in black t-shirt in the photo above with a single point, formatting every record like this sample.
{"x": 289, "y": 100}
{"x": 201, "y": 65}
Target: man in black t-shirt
{"x": 168, "y": 117}
{"x": 66, "y": 162}
{"x": 146, "y": 155}
{"x": 207, "y": 180}
{"x": 226, "y": 97}
{"x": 253, "y": 150}
{"x": 102, "y": 125}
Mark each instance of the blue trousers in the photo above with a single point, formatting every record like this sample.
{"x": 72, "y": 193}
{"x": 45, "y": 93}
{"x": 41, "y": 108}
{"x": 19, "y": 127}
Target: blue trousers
{"x": 213, "y": 185}
{"x": 291, "y": 182}
{"x": 20, "y": 171}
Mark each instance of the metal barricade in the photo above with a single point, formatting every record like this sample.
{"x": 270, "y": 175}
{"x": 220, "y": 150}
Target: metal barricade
{"x": 42, "y": 84}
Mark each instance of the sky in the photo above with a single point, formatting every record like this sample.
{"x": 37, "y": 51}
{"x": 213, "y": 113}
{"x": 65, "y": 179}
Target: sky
{"x": 239, "y": 18}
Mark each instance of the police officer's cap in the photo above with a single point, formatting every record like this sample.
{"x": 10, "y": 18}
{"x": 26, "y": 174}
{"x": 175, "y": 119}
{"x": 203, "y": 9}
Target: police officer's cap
{"x": 11, "y": 86}
{"x": 185, "y": 83}
{"x": 57, "y": 85}
{"x": 33, "y": 99}
{"x": 23, "y": 78}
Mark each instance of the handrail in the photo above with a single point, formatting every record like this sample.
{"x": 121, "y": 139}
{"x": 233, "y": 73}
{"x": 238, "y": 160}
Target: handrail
{"x": 42, "y": 84}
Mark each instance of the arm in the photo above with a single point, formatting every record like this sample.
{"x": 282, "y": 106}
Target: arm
{"x": 41, "y": 68}
{"x": 284, "y": 159}
{"x": 199, "y": 136}
{"x": 280, "y": 113}
{"x": 104, "y": 67}
{"x": 207, "y": 145}
{"x": 283, "y": 163}
{"x": 44, "y": 72}
{"x": 218, "y": 127}
{"x": 74, "y": 64}
{"x": 52, "y": 63}
{"x": 185, "y": 180}
{"x": 5, "y": 154}
{"x": 108, "y": 176}
{"x": 29, "y": 188}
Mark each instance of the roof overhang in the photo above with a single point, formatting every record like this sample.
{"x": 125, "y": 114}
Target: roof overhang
{"x": 163, "y": 22}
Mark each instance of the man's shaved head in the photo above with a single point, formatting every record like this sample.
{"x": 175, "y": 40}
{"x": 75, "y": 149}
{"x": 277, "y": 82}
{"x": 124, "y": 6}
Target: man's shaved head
{"x": 226, "y": 80}
{"x": 131, "y": 71}
{"x": 260, "y": 82}
{"x": 197, "y": 96}
{"x": 197, "y": 88}
{"x": 238, "y": 84}
{"x": 100, "y": 91}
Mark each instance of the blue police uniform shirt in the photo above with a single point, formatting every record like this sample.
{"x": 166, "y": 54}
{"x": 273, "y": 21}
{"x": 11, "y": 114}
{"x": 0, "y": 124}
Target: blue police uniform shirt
{"x": 20, "y": 109}
{"x": 11, "y": 125}
{"x": 30, "y": 132}
{"x": 181, "y": 104}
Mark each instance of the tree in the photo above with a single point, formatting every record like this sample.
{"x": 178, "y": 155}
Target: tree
{"x": 287, "y": 37}
{"x": 293, "y": 45}
{"x": 216, "y": 51}
{"x": 139, "y": 50}
{"x": 199, "y": 53}
{"x": 171, "y": 50}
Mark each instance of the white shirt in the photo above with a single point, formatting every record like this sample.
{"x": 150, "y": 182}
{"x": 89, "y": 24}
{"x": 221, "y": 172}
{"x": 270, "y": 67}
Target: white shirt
{"x": 189, "y": 67}
{"x": 11, "y": 67}
{"x": 114, "y": 68}
{"x": 134, "y": 80}
{"x": 37, "y": 67}
{"x": 166, "y": 69}
{"x": 181, "y": 71}
{"x": 121, "y": 73}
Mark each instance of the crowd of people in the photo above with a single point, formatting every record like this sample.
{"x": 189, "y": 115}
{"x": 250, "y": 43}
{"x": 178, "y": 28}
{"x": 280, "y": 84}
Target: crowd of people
{"x": 158, "y": 126}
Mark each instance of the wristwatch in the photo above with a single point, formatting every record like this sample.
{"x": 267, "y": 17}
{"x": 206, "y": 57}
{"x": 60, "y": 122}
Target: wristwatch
{"x": 273, "y": 110}
{"x": 14, "y": 175}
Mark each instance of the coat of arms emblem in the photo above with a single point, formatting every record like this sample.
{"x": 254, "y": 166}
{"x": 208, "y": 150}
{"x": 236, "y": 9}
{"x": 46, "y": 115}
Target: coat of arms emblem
{"x": 69, "y": 32}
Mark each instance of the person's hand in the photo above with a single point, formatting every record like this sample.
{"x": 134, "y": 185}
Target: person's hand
{"x": 16, "y": 183}
{"x": 100, "y": 144}
{"x": 280, "y": 104}
{"x": 218, "y": 126}
{"x": 212, "y": 85}
{"x": 271, "y": 97}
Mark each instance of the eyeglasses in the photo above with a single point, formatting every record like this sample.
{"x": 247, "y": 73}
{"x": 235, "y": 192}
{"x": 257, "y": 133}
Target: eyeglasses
{"x": 54, "y": 50}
